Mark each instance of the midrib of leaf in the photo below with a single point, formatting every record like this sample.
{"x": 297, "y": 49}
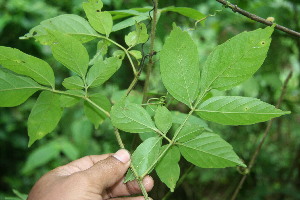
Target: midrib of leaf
{"x": 29, "y": 69}
{"x": 227, "y": 112}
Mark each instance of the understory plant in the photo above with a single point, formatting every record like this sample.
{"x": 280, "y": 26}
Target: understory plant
{"x": 164, "y": 140}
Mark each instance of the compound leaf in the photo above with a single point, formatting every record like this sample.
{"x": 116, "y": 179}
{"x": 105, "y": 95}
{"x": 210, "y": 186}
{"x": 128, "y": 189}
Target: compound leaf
{"x": 44, "y": 116}
{"x": 15, "y": 90}
{"x": 168, "y": 169}
{"x": 144, "y": 156}
{"x": 163, "y": 119}
{"x": 73, "y": 83}
{"x": 237, "y": 110}
{"x": 100, "y": 21}
{"x": 101, "y": 71}
{"x": 208, "y": 150}
{"x": 138, "y": 36}
{"x": 94, "y": 114}
{"x": 24, "y": 64}
{"x": 179, "y": 66}
{"x": 70, "y": 24}
{"x": 69, "y": 51}
{"x": 131, "y": 118}
{"x": 236, "y": 60}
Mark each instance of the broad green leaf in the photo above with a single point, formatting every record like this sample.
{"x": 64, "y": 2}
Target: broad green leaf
{"x": 236, "y": 60}
{"x": 188, "y": 12}
{"x": 189, "y": 132}
{"x": 131, "y": 118}
{"x": 237, "y": 110}
{"x": 179, "y": 66}
{"x": 70, "y": 24}
{"x": 71, "y": 98}
{"x": 209, "y": 150}
{"x": 15, "y": 90}
{"x": 44, "y": 116}
{"x": 168, "y": 169}
{"x": 138, "y": 36}
{"x": 144, "y": 156}
{"x": 24, "y": 64}
{"x": 100, "y": 21}
{"x": 101, "y": 71}
{"x": 129, "y": 22}
{"x": 136, "y": 54}
{"x": 69, "y": 51}
{"x": 96, "y": 113}
{"x": 41, "y": 156}
{"x": 102, "y": 48}
{"x": 73, "y": 83}
{"x": 163, "y": 119}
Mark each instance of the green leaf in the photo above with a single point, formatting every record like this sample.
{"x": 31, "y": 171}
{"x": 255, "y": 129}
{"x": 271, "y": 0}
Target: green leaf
{"x": 130, "y": 22}
{"x": 24, "y": 64}
{"x": 163, "y": 119}
{"x": 41, "y": 156}
{"x": 168, "y": 169}
{"x": 69, "y": 51}
{"x": 136, "y": 54}
{"x": 73, "y": 98}
{"x": 69, "y": 149}
{"x": 236, "y": 60}
{"x": 19, "y": 194}
{"x": 179, "y": 66}
{"x": 73, "y": 83}
{"x": 15, "y": 90}
{"x": 144, "y": 156}
{"x": 189, "y": 132}
{"x": 101, "y": 71}
{"x": 138, "y": 36}
{"x": 96, "y": 113}
{"x": 44, "y": 116}
{"x": 237, "y": 110}
{"x": 70, "y": 24}
{"x": 131, "y": 118}
{"x": 100, "y": 21}
{"x": 188, "y": 12}
{"x": 209, "y": 150}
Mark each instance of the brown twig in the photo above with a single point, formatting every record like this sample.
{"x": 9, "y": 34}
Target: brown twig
{"x": 254, "y": 17}
{"x": 266, "y": 132}
{"x": 151, "y": 63}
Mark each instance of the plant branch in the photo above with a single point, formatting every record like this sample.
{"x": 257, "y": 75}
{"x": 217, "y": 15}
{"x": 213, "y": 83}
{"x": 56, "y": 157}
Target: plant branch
{"x": 254, "y": 17}
{"x": 151, "y": 63}
{"x": 139, "y": 180}
{"x": 266, "y": 132}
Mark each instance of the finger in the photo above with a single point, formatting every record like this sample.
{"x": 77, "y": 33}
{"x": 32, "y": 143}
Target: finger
{"x": 80, "y": 164}
{"x": 106, "y": 173}
{"x": 129, "y": 188}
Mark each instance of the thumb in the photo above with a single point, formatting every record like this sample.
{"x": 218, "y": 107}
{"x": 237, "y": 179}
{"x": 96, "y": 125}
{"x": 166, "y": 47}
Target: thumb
{"x": 109, "y": 171}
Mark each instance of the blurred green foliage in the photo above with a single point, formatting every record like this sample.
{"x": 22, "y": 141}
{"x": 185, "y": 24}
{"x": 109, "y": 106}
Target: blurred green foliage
{"x": 276, "y": 174}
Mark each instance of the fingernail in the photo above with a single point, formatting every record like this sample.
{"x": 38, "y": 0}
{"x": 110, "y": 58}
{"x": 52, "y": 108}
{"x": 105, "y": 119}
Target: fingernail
{"x": 122, "y": 155}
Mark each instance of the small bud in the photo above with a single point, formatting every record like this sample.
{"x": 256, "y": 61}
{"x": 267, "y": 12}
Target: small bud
{"x": 271, "y": 19}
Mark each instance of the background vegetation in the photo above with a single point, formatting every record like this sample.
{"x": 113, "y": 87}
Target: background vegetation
{"x": 276, "y": 174}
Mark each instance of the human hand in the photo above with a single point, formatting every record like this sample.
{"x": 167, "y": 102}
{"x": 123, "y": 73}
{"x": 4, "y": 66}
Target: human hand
{"x": 98, "y": 177}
